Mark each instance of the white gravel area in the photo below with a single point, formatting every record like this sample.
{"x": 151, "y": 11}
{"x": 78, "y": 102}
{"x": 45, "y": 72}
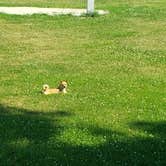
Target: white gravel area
{"x": 48, "y": 11}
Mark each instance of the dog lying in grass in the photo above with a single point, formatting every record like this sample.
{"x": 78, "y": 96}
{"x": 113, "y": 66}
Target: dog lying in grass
{"x": 62, "y": 88}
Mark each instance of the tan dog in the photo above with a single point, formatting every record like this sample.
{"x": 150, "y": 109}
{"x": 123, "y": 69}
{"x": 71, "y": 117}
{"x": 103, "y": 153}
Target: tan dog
{"x": 61, "y": 88}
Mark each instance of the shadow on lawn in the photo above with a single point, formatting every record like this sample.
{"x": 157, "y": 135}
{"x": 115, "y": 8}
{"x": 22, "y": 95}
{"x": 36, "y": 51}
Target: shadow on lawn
{"x": 29, "y": 138}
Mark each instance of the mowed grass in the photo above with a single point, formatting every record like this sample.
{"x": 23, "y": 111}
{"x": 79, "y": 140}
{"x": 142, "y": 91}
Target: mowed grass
{"x": 45, "y": 3}
{"x": 115, "y": 65}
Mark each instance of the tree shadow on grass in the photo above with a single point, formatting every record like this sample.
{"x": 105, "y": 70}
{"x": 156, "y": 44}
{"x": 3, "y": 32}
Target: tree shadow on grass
{"x": 25, "y": 134}
{"x": 29, "y": 138}
{"x": 157, "y": 129}
{"x": 120, "y": 149}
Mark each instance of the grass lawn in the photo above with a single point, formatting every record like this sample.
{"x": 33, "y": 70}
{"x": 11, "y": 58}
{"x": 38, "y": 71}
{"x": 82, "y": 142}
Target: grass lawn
{"x": 44, "y": 3}
{"x": 115, "y": 109}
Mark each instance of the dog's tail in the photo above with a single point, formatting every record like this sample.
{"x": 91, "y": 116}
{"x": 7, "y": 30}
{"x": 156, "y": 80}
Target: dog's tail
{"x": 45, "y": 87}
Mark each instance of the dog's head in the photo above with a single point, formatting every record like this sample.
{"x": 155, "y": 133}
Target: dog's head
{"x": 45, "y": 87}
{"x": 62, "y": 85}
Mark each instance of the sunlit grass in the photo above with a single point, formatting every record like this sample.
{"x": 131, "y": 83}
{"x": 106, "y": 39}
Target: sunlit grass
{"x": 114, "y": 112}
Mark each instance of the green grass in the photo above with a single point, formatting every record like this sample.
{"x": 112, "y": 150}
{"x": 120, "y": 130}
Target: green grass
{"x": 45, "y": 3}
{"x": 114, "y": 112}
